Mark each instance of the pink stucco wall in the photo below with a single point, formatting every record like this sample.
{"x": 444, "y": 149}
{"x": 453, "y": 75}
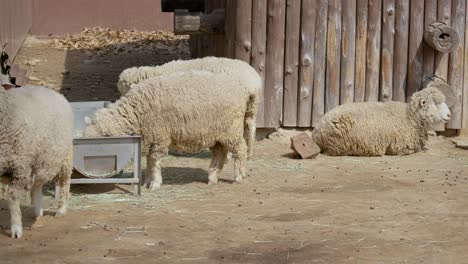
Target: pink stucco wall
{"x": 15, "y": 23}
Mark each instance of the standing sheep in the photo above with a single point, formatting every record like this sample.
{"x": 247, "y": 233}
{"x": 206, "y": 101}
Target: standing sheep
{"x": 376, "y": 129}
{"x": 36, "y": 126}
{"x": 236, "y": 69}
{"x": 183, "y": 111}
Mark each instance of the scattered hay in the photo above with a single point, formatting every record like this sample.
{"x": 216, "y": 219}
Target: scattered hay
{"x": 102, "y": 41}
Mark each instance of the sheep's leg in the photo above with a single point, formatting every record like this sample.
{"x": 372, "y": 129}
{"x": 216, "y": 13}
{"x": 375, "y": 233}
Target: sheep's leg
{"x": 220, "y": 155}
{"x": 36, "y": 200}
{"x": 240, "y": 152}
{"x": 15, "y": 214}
{"x": 153, "y": 178}
{"x": 64, "y": 184}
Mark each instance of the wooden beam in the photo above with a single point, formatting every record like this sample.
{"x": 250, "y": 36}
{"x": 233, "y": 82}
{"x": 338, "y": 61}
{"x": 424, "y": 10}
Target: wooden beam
{"x": 400, "y": 60}
{"x": 190, "y": 5}
{"x": 441, "y": 37}
{"x": 188, "y": 23}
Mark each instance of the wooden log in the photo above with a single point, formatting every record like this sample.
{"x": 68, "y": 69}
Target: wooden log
{"x": 464, "y": 129}
{"x": 274, "y": 62}
{"x": 291, "y": 60}
{"x": 190, "y": 5}
{"x": 400, "y": 61}
{"x": 415, "y": 55}
{"x": 441, "y": 37}
{"x": 230, "y": 28}
{"x": 361, "y": 45}
{"x": 348, "y": 51}
{"x": 259, "y": 29}
{"x": 430, "y": 16}
{"x": 332, "y": 92}
{"x": 456, "y": 63}
{"x": 318, "y": 106}
{"x": 306, "y": 71}
{"x": 373, "y": 50}
{"x": 187, "y": 23}
{"x": 388, "y": 29}
{"x": 243, "y": 42}
{"x": 444, "y": 8}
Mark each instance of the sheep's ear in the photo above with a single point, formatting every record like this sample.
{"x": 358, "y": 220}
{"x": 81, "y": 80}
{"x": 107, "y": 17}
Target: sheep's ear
{"x": 87, "y": 120}
{"x": 422, "y": 102}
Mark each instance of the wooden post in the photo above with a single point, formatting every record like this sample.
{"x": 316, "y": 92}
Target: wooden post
{"x": 259, "y": 29}
{"x": 348, "y": 48}
{"x": 415, "y": 47}
{"x": 274, "y": 62}
{"x": 441, "y": 59}
{"x": 430, "y": 16}
{"x": 456, "y": 63}
{"x": 400, "y": 62}
{"x": 230, "y": 28}
{"x": 361, "y": 44}
{"x": 243, "y": 42}
{"x": 293, "y": 23}
{"x": 306, "y": 71}
{"x": 332, "y": 92}
{"x": 186, "y": 23}
{"x": 388, "y": 29}
{"x": 218, "y": 40}
{"x": 464, "y": 129}
{"x": 190, "y": 5}
{"x": 441, "y": 37}
{"x": 318, "y": 106}
{"x": 373, "y": 50}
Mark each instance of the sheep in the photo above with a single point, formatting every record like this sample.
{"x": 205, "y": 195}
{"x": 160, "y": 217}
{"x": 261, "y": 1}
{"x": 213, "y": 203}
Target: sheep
{"x": 183, "y": 111}
{"x": 36, "y": 126}
{"x": 231, "y": 67}
{"x": 376, "y": 129}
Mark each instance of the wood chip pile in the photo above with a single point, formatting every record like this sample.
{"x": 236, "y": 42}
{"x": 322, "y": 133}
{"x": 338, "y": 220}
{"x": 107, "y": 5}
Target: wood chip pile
{"x": 102, "y": 41}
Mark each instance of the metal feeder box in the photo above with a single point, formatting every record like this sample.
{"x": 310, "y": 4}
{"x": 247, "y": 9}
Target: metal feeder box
{"x": 99, "y": 159}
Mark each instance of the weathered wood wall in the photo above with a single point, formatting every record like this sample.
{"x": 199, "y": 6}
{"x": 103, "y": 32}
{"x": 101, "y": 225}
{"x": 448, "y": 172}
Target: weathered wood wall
{"x": 317, "y": 54}
{"x": 15, "y": 23}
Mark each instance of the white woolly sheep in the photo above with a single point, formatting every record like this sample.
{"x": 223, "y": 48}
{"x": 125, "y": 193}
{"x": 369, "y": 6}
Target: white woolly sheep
{"x": 376, "y": 129}
{"x": 236, "y": 69}
{"x": 36, "y": 126}
{"x": 183, "y": 111}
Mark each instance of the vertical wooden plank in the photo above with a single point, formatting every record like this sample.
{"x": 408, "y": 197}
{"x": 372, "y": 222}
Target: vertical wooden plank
{"x": 243, "y": 42}
{"x": 274, "y": 62}
{"x": 318, "y": 106}
{"x": 332, "y": 91}
{"x": 293, "y": 23}
{"x": 306, "y": 72}
{"x": 388, "y": 30}
{"x": 348, "y": 49}
{"x": 217, "y": 42}
{"x": 444, "y": 8}
{"x": 456, "y": 63}
{"x": 361, "y": 45}
{"x": 464, "y": 130}
{"x": 400, "y": 61}
{"x": 373, "y": 50}
{"x": 415, "y": 55}
{"x": 230, "y": 28}
{"x": 430, "y": 16}
{"x": 259, "y": 29}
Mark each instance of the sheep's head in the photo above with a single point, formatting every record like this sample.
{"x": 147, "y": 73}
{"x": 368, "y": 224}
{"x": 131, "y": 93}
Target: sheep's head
{"x": 428, "y": 106}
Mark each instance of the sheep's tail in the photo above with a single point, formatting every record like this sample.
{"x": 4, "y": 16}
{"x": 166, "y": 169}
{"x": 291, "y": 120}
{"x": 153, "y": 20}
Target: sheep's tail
{"x": 249, "y": 124}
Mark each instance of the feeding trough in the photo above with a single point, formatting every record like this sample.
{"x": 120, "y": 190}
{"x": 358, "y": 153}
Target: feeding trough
{"x": 99, "y": 159}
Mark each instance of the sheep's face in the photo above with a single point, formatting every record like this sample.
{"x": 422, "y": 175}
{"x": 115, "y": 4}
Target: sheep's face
{"x": 443, "y": 113}
{"x": 432, "y": 112}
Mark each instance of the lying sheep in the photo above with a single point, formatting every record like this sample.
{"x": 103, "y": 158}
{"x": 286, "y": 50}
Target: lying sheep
{"x": 376, "y": 129}
{"x": 237, "y": 69}
{"x": 36, "y": 127}
{"x": 183, "y": 111}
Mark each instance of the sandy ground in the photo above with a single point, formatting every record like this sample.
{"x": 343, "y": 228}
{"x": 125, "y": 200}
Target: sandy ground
{"x": 410, "y": 209}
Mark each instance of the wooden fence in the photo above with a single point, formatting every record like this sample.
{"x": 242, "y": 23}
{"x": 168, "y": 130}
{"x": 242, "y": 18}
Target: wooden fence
{"x": 317, "y": 54}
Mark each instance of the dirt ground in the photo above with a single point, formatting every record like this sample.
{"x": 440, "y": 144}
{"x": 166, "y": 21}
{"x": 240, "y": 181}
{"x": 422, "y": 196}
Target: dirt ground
{"x": 409, "y": 209}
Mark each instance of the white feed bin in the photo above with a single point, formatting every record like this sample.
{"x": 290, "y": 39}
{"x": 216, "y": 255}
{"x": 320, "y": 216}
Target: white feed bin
{"x": 98, "y": 159}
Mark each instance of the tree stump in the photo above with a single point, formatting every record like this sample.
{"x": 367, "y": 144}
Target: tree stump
{"x": 304, "y": 146}
{"x": 441, "y": 37}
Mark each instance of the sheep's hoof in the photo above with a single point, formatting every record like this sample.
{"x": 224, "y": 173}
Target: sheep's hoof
{"x": 153, "y": 186}
{"x": 16, "y": 231}
{"x": 61, "y": 212}
{"x": 238, "y": 179}
{"x": 212, "y": 181}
